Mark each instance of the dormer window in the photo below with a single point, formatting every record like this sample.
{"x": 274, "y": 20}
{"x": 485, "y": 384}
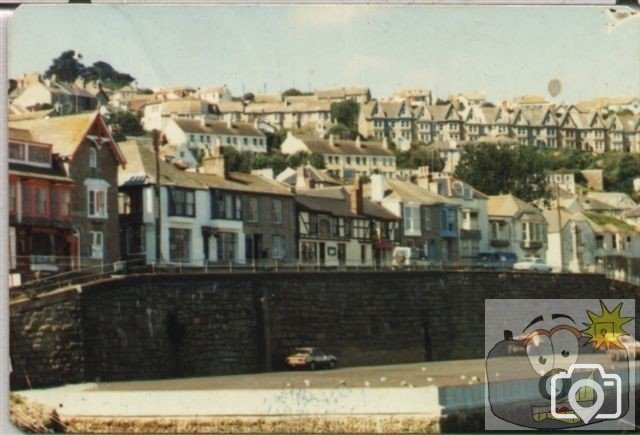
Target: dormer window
{"x": 93, "y": 158}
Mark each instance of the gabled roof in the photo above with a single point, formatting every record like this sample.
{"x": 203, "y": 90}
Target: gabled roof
{"x": 290, "y": 175}
{"x": 441, "y": 113}
{"x": 406, "y": 191}
{"x": 533, "y": 117}
{"x": 345, "y": 147}
{"x": 508, "y": 205}
{"x": 608, "y": 201}
{"x": 392, "y": 109}
{"x": 530, "y": 99}
{"x": 66, "y": 133}
{"x": 32, "y": 115}
{"x": 230, "y": 106}
{"x": 218, "y": 127}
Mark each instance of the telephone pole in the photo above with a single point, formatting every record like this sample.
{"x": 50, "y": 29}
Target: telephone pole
{"x": 158, "y": 213}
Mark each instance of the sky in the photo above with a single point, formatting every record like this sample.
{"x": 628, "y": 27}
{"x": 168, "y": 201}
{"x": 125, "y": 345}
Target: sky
{"x": 503, "y": 51}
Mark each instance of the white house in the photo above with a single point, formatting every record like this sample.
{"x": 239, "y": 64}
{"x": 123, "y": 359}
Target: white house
{"x": 202, "y": 136}
{"x": 157, "y": 114}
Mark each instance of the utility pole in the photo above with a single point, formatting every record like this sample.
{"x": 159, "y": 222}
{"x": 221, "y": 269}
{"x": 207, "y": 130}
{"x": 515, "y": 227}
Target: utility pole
{"x": 156, "y": 149}
{"x": 559, "y": 226}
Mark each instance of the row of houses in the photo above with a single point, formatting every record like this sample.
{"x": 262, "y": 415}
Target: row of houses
{"x": 78, "y": 198}
{"x": 563, "y": 127}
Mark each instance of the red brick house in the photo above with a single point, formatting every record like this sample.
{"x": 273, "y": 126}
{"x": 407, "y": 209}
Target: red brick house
{"x": 89, "y": 157}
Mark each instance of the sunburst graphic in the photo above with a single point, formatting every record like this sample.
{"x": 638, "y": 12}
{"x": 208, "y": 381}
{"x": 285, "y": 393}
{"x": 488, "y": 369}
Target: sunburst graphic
{"x": 606, "y": 328}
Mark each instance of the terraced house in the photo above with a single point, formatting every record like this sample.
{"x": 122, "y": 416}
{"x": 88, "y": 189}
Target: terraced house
{"x": 390, "y": 119}
{"x": 41, "y": 236}
{"x": 91, "y": 158}
{"x": 210, "y": 217}
{"x": 338, "y": 226}
{"x": 345, "y": 158}
{"x": 429, "y": 221}
{"x": 516, "y": 226}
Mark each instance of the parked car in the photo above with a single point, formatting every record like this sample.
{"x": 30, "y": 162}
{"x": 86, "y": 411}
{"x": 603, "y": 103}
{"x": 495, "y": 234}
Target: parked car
{"x": 496, "y": 260}
{"x": 532, "y": 264}
{"x": 407, "y": 257}
{"x": 631, "y": 348}
{"x": 311, "y": 358}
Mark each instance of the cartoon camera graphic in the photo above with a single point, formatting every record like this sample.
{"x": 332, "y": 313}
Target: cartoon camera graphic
{"x": 556, "y": 376}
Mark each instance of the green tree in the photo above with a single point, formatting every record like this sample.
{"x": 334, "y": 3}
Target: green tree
{"x": 248, "y": 97}
{"x": 619, "y": 169}
{"x": 124, "y": 124}
{"x": 291, "y": 92}
{"x": 107, "y": 75}
{"x": 341, "y": 131}
{"x": 66, "y": 67}
{"x": 346, "y": 113}
{"x": 495, "y": 169}
{"x": 232, "y": 159}
{"x": 316, "y": 160}
{"x": 297, "y": 159}
{"x": 424, "y": 156}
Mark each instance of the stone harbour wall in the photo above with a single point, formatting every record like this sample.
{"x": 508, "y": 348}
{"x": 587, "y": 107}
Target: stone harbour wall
{"x": 159, "y": 326}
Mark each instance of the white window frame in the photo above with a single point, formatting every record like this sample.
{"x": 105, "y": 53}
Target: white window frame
{"x": 93, "y": 157}
{"x": 411, "y": 219}
{"x": 97, "y": 244}
{"x": 94, "y": 189}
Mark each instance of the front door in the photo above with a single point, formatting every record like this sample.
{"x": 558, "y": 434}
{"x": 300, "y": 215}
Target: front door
{"x": 321, "y": 254}
{"x": 342, "y": 254}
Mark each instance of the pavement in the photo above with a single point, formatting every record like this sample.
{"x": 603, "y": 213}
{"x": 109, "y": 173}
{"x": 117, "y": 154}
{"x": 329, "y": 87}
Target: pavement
{"x": 425, "y": 389}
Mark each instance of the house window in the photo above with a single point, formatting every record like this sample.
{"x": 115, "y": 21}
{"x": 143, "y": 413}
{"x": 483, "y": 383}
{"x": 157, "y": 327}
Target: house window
{"x": 427, "y": 220}
{"x": 182, "y": 202}
{"x": 277, "y": 246}
{"x": 16, "y": 151}
{"x": 13, "y": 198}
{"x": 227, "y": 246}
{"x": 347, "y": 227}
{"x": 363, "y": 254}
{"x": 97, "y": 244}
{"x": 42, "y": 201}
{"x": 313, "y": 224}
{"x": 276, "y": 211}
{"x": 226, "y": 205}
{"x": 252, "y": 210}
{"x": 308, "y": 252}
{"x": 179, "y": 245}
{"x": 245, "y": 141}
{"x": 97, "y": 201}
{"x": 411, "y": 215}
{"x": 135, "y": 239}
{"x": 93, "y": 158}
{"x": 39, "y": 154}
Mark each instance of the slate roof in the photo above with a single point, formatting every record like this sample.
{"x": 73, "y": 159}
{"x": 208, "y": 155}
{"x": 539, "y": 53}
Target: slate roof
{"x": 335, "y": 201}
{"x": 141, "y": 171}
{"x": 218, "y": 127}
{"x": 346, "y": 147}
{"x": 64, "y": 133}
{"x": 508, "y": 205}
{"x": 406, "y": 191}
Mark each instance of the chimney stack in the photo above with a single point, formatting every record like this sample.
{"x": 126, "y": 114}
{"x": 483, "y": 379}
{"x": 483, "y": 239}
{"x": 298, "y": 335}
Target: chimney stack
{"x": 377, "y": 187}
{"x": 385, "y": 144}
{"x": 331, "y": 142}
{"x": 423, "y": 178}
{"x": 355, "y": 196}
{"x": 301, "y": 181}
{"x": 229, "y": 123}
{"x": 214, "y": 164}
{"x": 203, "y": 122}
{"x": 358, "y": 144}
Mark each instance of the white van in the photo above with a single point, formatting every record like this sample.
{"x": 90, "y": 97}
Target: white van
{"x": 406, "y": 257}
